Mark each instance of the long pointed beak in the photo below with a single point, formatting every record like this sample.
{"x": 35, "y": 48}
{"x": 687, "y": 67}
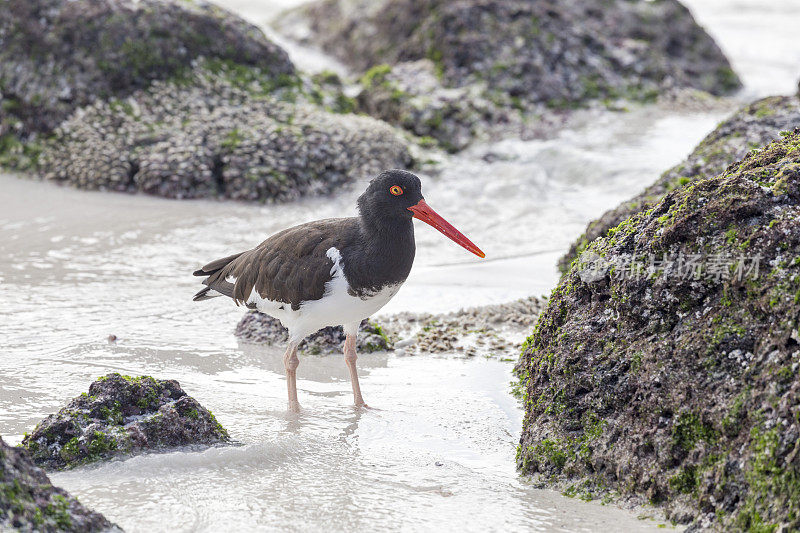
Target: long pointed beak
{"x": 423, "y": 212}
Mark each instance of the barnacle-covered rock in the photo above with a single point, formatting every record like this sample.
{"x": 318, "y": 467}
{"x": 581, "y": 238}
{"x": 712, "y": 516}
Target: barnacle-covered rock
{"x": 411, "y": 96}
{"x": 751, "y": 127}
{"x": 220, "y": 130}
{"x": 122, "y": 415}
{"x": 492, "y": 330}
{"x": 664, "y": 368}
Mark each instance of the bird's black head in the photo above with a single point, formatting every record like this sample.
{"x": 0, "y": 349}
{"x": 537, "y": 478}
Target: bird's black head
{"x": 389, "y": 196}
{"x": 394, "y": 198}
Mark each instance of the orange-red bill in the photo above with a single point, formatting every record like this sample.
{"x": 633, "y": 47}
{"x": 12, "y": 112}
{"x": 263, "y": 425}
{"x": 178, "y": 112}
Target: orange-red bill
{"x": 423, "y": 212}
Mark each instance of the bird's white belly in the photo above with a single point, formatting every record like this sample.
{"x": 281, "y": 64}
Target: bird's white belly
{"x": 336, "y": 307}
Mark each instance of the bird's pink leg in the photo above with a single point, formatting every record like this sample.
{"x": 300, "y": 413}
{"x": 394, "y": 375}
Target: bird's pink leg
{"x": 291, "y": 362}
{"x": 350, "y": 358}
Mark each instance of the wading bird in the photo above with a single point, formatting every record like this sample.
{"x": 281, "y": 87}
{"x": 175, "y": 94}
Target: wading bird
{"x": 332, "y": 272}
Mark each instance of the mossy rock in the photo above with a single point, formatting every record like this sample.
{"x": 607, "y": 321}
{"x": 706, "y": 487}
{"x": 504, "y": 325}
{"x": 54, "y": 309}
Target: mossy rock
{"x": 219, "y": 129}
{"x": 427, "y": 66}
{"x": 648, "y": 378}
{"x": 29, "y": 502}
{"x": 411, "y": 96}
{"x": 750, "y": 128}
{"x": 122, "y": 415}
{"x": 57, "y": 56}
{"x": 559, "y": 54}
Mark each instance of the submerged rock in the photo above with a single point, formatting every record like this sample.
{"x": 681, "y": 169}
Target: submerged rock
{"x": 29, "y": 502}
{"x": 122, "y": 415}
{"x": 489, "y": 330}
{"x": 56, "y": 56}
{"x": 541, "y": 55}
{"x": 257, "y": 328}
{"x": 665, "y": 369}
{"x": 751, "y": 127}
{"x": 221, "y": 131}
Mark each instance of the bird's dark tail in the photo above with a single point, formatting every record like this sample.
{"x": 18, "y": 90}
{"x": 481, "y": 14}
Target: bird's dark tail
{"x": 216, "y": 285}
{"x": 216, "y": 265}
{"x": 203, "y": 294}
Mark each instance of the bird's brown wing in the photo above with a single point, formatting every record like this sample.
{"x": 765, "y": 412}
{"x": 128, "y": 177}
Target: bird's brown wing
{"x": 290, "y": 267}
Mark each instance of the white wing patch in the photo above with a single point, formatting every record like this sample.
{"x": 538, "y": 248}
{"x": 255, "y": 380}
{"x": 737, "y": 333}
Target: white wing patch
{"x": 336, "y": 256}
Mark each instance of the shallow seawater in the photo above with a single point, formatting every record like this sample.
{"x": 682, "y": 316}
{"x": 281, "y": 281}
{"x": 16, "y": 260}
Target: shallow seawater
{"x": 427, "y": 456}
{"x": 438, "y": 447}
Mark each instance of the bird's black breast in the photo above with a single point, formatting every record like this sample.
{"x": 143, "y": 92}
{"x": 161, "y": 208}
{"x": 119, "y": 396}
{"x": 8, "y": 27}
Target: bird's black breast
{"x": 379, "y": 259}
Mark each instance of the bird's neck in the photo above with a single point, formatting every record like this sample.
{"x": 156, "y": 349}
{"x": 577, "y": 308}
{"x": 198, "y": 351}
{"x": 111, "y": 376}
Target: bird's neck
{"x": 389, "y": 239}
{"x": 384, "y": 255}
{"x": 376, "y": 227}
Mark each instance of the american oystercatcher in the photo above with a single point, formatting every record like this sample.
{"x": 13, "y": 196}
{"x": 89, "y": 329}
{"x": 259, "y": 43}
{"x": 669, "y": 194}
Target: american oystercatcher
{"x": 332, "y": 272}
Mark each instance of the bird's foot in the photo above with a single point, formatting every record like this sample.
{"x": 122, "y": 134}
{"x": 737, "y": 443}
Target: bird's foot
{"x": 361, "y": 404}
{"x": 294, "y": 406}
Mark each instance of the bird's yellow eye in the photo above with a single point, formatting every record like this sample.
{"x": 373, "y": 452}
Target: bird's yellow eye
{"x": 396, "y": 190}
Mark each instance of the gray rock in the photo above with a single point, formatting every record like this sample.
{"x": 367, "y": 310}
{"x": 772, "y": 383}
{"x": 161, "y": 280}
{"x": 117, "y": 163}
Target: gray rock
{"x": 749, "y": 128}
{"x": 410, "y": 95}
{"x": 122, "y": 415}
{"x": 672, "y": 379}
{"x": 220, "y": 131}
{"x": 175, "y": 99}
{"x": 258, "y": 328}
{"x": 57, "y": 56}
{"x": 541, "y": 56}
{"x": 29, "y": 502}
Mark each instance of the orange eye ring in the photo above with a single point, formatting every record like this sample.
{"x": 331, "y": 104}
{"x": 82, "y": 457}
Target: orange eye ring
{"x": 396, "y": 190}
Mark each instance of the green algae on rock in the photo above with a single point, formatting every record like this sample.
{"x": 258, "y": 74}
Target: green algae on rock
{"x": 122, "y": 415}
{"x": 29, "y": 502}
{"x": 751, "y": 127}
{"x": 541, "y": 56}
{"x": 411, "y": 96}
{"x": 672, "y": 386}
{"x": 538, "y": 51}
